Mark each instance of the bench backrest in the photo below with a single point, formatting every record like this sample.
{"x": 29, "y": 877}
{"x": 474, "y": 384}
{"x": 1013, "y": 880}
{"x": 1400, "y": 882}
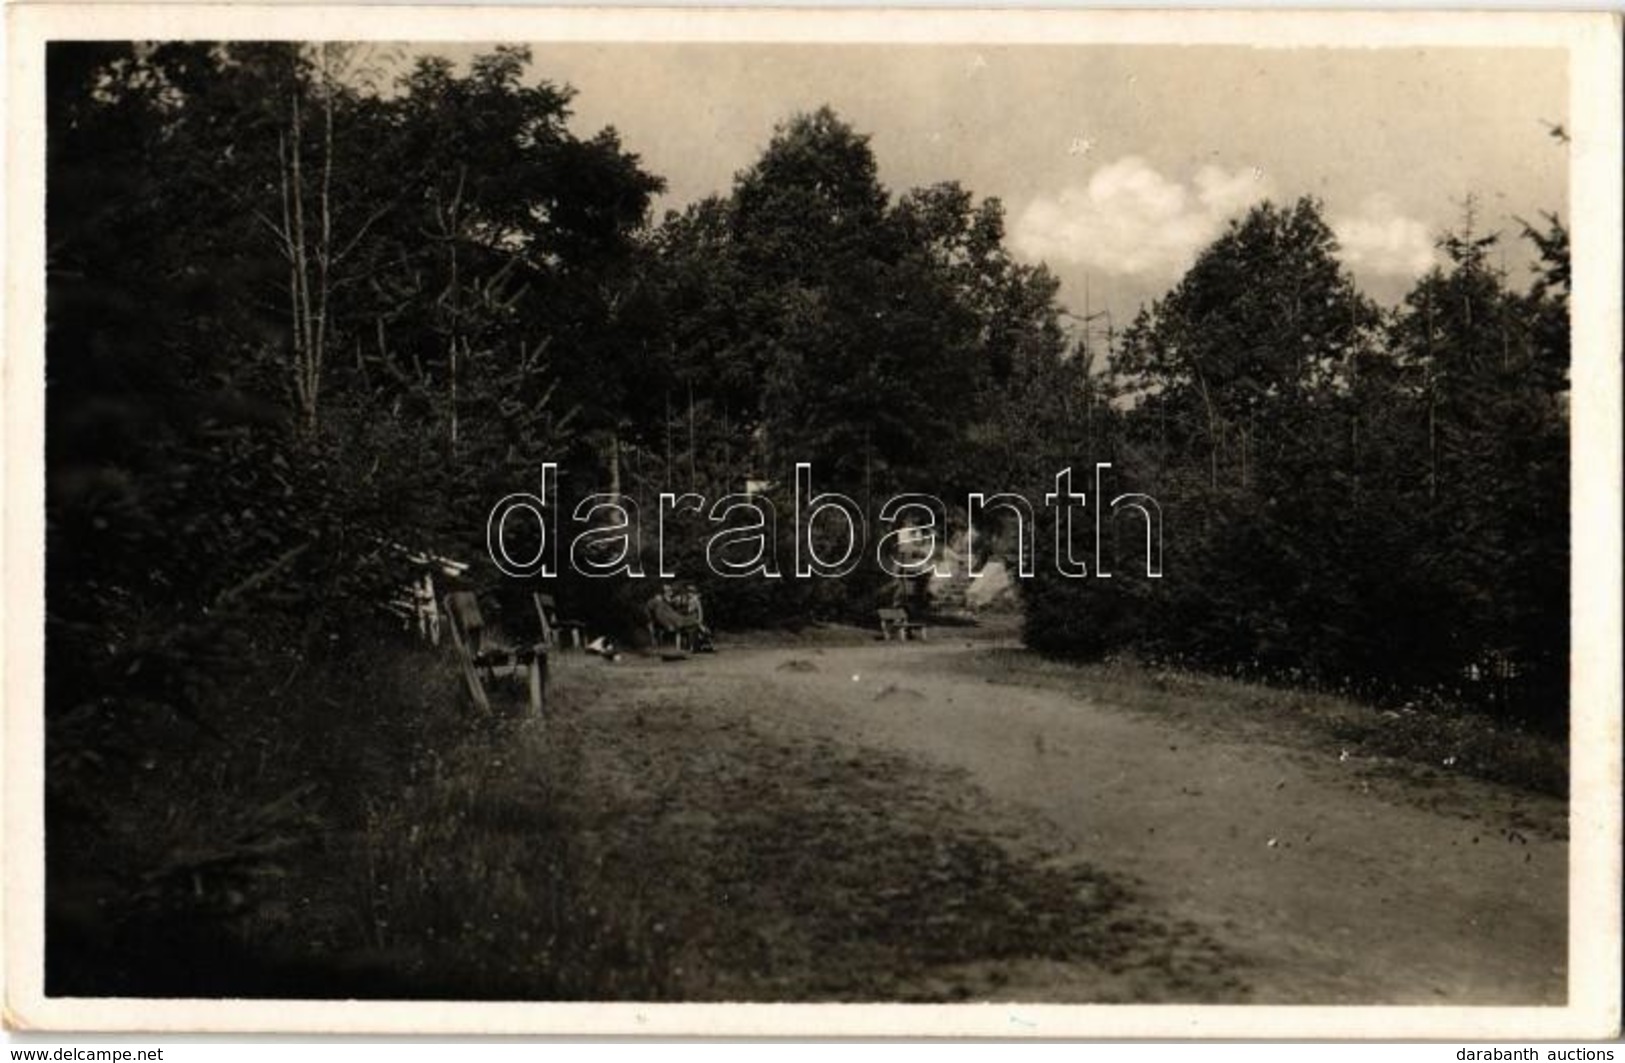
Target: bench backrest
{"x": 464, "y": 608}
{"x": 546, "y": 616}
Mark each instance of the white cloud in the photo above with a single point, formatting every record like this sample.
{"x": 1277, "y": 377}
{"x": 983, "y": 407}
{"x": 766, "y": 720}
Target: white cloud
{"x": 1381, "y": 241}
{"x": 1130, "y": 219}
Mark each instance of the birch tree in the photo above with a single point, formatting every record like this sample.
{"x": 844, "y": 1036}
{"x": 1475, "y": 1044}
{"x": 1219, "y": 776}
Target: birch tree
{"x": 305, "y": 230}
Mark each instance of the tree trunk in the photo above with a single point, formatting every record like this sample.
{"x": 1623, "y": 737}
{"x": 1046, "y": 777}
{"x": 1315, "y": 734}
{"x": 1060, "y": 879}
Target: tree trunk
{"x": 309, "y": 255}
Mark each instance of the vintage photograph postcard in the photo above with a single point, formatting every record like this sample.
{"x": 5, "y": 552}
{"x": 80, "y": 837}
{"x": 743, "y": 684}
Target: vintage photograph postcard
{"x": 766, "y": 522}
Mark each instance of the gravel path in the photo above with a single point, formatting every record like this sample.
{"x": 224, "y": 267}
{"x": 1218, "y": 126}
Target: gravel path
{"x": 848, "y": 822}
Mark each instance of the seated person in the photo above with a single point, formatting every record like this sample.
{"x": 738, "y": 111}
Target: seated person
{"x": 693, "y": 609}
{"x": 679, "y": 611}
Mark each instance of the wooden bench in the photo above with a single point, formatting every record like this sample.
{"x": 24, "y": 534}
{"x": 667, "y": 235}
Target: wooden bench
{"x": 570, "y": 633}
{"x": 486, "y": 657}
{"x": 896, "y": 621}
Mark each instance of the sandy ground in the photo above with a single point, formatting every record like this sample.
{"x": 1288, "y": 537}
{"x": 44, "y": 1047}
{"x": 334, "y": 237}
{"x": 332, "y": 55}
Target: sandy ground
{"x": 882, "y": 821}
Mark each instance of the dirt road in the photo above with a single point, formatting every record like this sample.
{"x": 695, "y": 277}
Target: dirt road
{"x": 899, "y": 821}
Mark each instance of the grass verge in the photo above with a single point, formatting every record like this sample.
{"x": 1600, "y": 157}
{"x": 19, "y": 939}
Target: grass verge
{"x": 1454, "y": 741}
{"x": 335, "y": 829}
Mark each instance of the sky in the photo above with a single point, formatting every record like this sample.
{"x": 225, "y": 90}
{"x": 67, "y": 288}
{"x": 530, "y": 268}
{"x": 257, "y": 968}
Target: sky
{"x": 1116, "y": 164}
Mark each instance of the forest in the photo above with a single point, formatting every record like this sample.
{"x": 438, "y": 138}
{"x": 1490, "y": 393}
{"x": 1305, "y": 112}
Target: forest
{"x": 304, "y": 304}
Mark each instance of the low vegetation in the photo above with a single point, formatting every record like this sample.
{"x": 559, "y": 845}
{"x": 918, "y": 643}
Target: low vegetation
{"x": 1451, "y": 739}
{"x": 350, "y": 832}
